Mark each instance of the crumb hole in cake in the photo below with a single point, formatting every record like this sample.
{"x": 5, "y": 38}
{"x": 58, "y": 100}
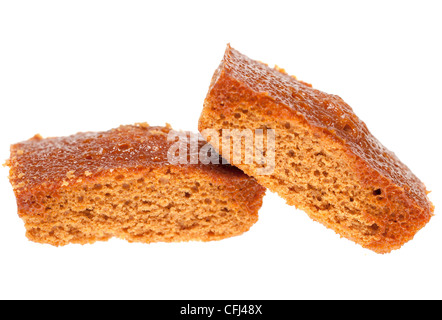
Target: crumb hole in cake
{"x": 169, "y": 206}
{"x": 237, "y": 115}
{"x": 187, "y": 194}
{"x": 377, "y": 192}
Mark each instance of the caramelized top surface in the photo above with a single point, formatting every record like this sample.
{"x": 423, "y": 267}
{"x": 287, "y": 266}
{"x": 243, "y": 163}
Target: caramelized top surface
{"x": 325, "y": 112}
{"x": 56, "y": 162}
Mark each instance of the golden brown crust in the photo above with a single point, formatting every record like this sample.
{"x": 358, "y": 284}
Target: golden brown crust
{"x": 65, "y": 161}
{"x": 241, "y": 81}
{"x": 44, "y": 170}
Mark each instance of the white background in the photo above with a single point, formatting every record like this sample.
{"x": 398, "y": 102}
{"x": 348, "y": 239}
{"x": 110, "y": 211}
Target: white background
{"x": 69, "y": 66}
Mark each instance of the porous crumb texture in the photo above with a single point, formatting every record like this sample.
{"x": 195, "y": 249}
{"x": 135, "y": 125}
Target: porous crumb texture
{"x": 334, "y": 170}
{"x": 97, "y": 191}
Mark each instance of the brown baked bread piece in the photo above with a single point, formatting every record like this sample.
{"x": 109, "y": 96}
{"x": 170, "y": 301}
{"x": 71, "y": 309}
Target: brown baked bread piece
{"x": 327, "y": 163}
{"x": 94, "y": 186}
